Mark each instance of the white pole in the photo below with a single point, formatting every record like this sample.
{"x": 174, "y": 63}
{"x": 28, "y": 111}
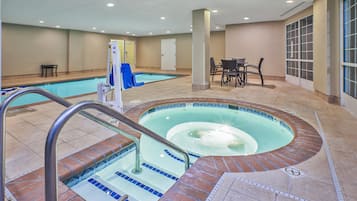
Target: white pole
{"x": 117, "y": 76}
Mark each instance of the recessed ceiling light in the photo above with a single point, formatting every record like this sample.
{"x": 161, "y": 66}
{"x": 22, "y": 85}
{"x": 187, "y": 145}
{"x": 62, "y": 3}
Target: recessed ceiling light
{"x": 94, "y": 28}
{"x": 168, "y": 31}
{"x": 190, "y": 29}
{"x": 150, "y": 33}
{"x": 214, "y": 11}
{"x": 217, "y": 27}
{"x": 246, "y": 18}
{"x": 41, "y": 21}
{"x": 128, "y": 32}
{"x": 102, "y": 31}
{"x": 133, "y": 34}
{"x": 191, "y": 25}
{"x": 162, "y": 18}
{"x": 110, "y": 5}
{"x": 58, "y": 26}
{"x": 289, "y": 1}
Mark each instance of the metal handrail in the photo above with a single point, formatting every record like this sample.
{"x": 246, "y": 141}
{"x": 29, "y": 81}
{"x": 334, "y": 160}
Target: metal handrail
{"x": 32, "y": 90}
{"x": 51, "y": 178}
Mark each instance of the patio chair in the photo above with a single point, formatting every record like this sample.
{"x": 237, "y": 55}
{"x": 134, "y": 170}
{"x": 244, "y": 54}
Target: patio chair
{"x": 229, "y": 71}
{"x": 214, "y": 68}
{"x": 257, "y": 71}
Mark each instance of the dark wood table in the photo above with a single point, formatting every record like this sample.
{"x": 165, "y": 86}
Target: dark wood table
{"x": 46, "y": 67}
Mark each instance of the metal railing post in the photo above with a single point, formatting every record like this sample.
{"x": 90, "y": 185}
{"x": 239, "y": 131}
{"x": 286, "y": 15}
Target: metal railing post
{"x": 51, "y": 175}
{"x": 3, "y": 110}
{"x": 5, "y": 104}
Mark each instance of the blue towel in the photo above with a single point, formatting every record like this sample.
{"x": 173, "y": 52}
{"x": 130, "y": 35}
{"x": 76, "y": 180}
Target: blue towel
{"x": 129, "y": 80}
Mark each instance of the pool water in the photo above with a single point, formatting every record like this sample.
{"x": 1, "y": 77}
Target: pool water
{"x": 202, "y": 129}
{"x": 268, "y": 133}
{"x": 79, "y": 87}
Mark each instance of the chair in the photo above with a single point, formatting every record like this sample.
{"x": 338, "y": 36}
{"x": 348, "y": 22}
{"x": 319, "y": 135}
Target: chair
{"x": 214, "y": 69}
{"x": 229, "y": 70}
{"x": 258, "y": 70}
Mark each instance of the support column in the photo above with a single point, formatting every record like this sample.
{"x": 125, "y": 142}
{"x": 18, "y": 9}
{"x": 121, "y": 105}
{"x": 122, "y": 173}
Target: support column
{"x": 327, "y": 49}
{"x": 200, "y": 49}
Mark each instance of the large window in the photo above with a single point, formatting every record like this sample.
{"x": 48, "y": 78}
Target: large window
{"x": 350, "y": 48}
{"x": 299, "y": 49}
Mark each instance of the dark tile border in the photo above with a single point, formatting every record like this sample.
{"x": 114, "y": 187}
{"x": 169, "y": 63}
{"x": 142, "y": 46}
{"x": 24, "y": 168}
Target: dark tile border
{"x": 199, "y": 180}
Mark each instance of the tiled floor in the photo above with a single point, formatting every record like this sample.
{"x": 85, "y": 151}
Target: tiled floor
{"x": 27, "y": 128}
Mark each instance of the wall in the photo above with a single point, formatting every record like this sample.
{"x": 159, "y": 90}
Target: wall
{"x": 327, "y": 48}
{"x": 88, "y": 50}
{"x": 320, "y": 46}
{"x": 24, "y": 48}
{"x": 255, "y": 40}
{"x": 148, "y": 49}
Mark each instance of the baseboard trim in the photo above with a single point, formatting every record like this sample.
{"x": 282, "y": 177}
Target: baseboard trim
{"x": 328, "y": 98}
{"x": 196, "y": 87}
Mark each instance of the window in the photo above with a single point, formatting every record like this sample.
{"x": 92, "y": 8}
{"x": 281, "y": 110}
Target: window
{"x": 299, "y": 48}
{"x": 350, "y": 48}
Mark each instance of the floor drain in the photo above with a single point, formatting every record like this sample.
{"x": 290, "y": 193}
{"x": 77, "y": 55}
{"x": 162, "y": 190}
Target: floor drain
{"x": 294, "y": 172}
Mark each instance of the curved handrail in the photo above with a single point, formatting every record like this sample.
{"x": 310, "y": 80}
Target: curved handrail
{"x": 50, "y": 147}
{"x": 32, "y": 90}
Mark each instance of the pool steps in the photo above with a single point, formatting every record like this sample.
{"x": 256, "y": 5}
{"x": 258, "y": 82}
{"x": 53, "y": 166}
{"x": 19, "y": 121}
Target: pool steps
{"x": 137, "y": 185}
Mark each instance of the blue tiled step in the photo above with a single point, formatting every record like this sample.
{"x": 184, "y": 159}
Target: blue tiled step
{"x": 173, "y": 156}
{"x": 139, "y": 184}
{"x": 94, "y": 189}
{"x": 105, "y": 189}
{"x": 161, "y": 172}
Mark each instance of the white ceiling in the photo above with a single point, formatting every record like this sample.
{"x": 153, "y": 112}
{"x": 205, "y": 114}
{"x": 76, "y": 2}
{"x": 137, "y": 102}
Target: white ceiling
{"x": 141, "y": 17}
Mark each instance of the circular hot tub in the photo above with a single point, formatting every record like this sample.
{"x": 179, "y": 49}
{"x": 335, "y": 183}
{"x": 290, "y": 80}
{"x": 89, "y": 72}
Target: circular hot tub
{"x": 218, "y": 129}
{"x": 226, "y": 135}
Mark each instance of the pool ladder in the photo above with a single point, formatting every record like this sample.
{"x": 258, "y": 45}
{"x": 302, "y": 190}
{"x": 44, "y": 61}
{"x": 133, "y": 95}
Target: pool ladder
{"x": 51, "y": 175}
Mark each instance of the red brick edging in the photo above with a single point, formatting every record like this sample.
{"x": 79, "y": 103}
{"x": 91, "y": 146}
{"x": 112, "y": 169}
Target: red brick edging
{"x": 199, "y": 180}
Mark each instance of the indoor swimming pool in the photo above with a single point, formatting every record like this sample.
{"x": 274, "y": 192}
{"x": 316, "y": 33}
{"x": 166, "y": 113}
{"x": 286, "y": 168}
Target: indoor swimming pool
{"x": 203, "y": 129}
{"x": 77, "y": 87}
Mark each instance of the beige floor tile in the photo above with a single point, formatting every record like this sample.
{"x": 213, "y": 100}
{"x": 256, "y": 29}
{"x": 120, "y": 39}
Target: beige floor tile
{"x": 27, "y": 130}
{"x": 312, "y": 189}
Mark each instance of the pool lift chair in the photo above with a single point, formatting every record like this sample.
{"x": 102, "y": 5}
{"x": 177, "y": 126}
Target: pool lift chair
{"x": 119, "y": 77}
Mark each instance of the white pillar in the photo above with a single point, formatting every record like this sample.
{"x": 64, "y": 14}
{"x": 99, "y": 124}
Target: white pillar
{"x": 200, "y": 49}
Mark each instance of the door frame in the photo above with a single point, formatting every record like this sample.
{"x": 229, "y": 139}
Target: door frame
{"x": 164, "y": 67}
{"x": 304, "y": 83}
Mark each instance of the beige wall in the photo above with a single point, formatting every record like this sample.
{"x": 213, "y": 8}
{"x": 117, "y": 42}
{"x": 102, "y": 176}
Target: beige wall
{"x": 148, "y": 49}
{"x": 326, "y": 48}
{"x": 320, "y": 45}
{"x": 25, "y": 48}
{"x": 87, "y": 50}
{"x": 255, "y": 40}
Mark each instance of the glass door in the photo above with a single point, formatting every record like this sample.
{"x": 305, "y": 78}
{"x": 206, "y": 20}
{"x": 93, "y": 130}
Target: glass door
{"x": 349, "y": 66}
{"x": 299, "y": 52}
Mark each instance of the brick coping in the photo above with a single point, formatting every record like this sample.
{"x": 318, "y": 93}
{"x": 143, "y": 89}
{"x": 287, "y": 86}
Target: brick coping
{"x": 199, "y": 180}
